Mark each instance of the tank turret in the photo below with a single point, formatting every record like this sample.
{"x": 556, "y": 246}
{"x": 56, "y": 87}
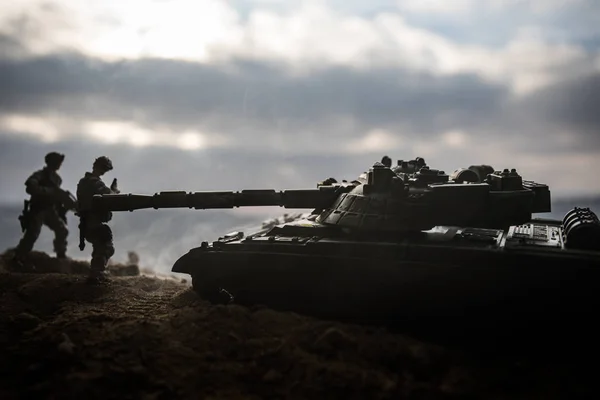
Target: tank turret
{"x": 410, "y": 196}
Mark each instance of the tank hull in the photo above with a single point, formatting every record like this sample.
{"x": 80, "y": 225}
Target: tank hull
{"x": 453, "y": 278}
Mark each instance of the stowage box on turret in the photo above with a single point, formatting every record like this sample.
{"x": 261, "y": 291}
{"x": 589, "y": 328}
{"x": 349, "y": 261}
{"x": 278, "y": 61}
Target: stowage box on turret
{"x": 400, "y": 243}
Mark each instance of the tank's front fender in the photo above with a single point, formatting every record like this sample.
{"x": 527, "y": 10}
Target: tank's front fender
{"x": 189, "y": 261}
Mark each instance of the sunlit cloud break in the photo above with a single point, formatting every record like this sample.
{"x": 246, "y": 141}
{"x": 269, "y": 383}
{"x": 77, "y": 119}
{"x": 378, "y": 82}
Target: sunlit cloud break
{"x": 53, "y": 129}
{"x": 307, "y": 37}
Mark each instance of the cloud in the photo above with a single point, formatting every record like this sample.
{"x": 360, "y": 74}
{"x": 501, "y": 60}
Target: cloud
{"x": 153, "y": 100}
{"x": 179, "y": 28}
{"x": 438, "y": 6}
{"x": 572, "y": 105}
{"x": 462, "y": 7}
{"x": 306, "y": 38}
{"x": 282, "y": 95}
{"x": 259, "y": 106}
{"x": 496, "y": 23}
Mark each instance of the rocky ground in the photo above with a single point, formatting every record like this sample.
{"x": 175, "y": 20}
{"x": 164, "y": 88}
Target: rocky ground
{"x": 143, "y": 337}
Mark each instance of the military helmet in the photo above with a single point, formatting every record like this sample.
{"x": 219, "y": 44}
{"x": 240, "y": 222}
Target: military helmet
{"x": 104, "y": 163}
{"x": 54, "y": 158}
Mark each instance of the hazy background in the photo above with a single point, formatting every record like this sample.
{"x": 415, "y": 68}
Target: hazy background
{"x": 215, "y": 94}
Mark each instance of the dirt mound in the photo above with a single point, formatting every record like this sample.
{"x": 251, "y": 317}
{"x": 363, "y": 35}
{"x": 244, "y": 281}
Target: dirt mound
{"x": 146, "y": 338}
{"x": 43, "y": 263}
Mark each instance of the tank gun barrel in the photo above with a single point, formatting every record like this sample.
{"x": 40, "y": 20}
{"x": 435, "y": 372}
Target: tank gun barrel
{"x": 297, "y": 198}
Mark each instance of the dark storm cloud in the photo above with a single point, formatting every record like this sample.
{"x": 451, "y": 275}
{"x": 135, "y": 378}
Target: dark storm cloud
{"x": 252, "y": 100}
{"x": 573, "y": 105}
{"x": 9, "y": 46}
{"x": 184, "y": 95}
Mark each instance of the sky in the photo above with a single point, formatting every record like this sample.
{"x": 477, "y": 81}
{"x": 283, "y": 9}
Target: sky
{"x": 214, "y": 94}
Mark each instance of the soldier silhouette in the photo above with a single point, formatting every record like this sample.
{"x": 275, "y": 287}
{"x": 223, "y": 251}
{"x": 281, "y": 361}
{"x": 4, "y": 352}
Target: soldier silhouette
{"x": 92, "y": 223}
{"x": 48, "y": 205}
{"x": 386, "y": 161}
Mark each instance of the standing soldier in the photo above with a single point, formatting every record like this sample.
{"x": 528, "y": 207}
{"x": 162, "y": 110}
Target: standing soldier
{"x": 48, "y": 206}
{"x": 92, "y": 223}
{"x": 386, "y": 161}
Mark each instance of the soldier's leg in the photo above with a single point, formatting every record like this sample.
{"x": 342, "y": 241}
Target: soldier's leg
{"x": 32, "y": 232}
{"x": 102, "y": 248}
{"x": 109, "y": 247}
{"x": 56, "y": 224}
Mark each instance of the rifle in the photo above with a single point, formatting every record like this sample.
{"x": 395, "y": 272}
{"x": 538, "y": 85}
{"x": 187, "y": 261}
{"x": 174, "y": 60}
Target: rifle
{"x": 66, "y": 199}
{"x": 67, "y": 202}
{"x": 25, "y": 215}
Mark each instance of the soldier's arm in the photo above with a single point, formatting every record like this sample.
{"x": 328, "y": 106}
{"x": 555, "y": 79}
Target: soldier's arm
{"x": 33, "y": 186}
{"x": 101, "y": 188}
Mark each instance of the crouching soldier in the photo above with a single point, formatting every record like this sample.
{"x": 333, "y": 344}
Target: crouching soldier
{"x": 48, "y": 206}
{"x": 92, "y": 223}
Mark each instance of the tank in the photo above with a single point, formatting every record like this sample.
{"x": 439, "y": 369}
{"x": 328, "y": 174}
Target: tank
{"x": 399, "y": 244}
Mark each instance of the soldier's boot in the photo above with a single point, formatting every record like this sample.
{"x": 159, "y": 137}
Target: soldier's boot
{"x": 98, "y": 273}
{"x": 21, "y": 263}
{"x": 98, "y": 277}
{"x": 26, "y": 244}
{"x": 20, "y": 260}
{"x": 60, "y": 248}
{"x": 61, "y": 253}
